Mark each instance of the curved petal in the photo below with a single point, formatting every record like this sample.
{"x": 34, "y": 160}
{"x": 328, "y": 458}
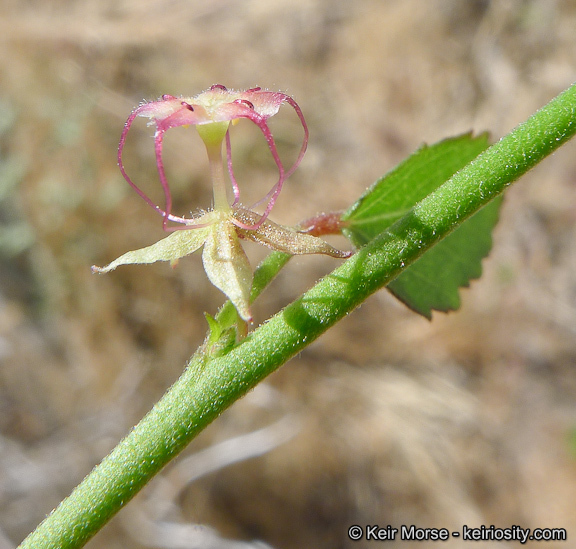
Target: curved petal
{"x": 139, "y": 191}
{"x": 258, "y": 106}
{"x": 300, "y": 114}
{"x": 229, "y": 111}
{"x": 166, "y": 113}
{"x": 176, "y": 109}
{"x": 275, "y": 191}
{"x": 176, "y": 113}
{"x": 266, "y": 103}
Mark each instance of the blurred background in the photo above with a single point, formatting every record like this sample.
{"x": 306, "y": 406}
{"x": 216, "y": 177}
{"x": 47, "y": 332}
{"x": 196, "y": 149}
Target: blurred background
{"x": 388, "y": 418}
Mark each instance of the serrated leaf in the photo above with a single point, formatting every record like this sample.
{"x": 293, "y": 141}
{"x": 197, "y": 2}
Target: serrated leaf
{"x": 432, "y": 282}
{"x": 403, "y": 187}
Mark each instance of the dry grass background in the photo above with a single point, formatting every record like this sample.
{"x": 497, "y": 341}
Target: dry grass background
{"x": 388, "y": 419}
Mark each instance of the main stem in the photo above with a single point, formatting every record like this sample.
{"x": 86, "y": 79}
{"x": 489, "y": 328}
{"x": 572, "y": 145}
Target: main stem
{"x": 209, "y": 385}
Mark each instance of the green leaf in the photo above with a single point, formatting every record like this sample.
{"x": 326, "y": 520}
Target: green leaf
{"x": 404, "y": 186}
{"x": 432, "y": 282}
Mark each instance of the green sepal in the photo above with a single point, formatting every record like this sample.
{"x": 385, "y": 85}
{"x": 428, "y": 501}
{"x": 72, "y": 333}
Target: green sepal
{"x": 227, "y": 266}
{"x": 176, "y": 245}
{"x": 282, "y": 238}
{"x": 219, "y": 340}
{"x": 214, "y": 329}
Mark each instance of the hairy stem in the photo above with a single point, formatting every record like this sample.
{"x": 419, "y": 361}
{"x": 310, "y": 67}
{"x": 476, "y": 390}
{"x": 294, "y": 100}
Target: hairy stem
{"x": 209, "y": 385}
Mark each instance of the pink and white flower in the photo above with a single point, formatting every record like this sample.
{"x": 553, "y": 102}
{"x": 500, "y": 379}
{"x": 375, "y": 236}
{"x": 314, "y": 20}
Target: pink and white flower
{"x": 220, "y": 230}
{"x": 211, "y": 112}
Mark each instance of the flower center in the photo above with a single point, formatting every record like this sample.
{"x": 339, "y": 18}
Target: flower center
{"x": 213, "y": 133}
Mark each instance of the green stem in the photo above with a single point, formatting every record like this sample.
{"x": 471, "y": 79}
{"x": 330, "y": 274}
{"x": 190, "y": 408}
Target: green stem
{"x": 209, "y": 385}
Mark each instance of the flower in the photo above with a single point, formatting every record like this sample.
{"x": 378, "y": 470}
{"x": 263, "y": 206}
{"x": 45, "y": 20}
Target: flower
{"x": 220, "y": 229}
{"x": 211, "y": 112}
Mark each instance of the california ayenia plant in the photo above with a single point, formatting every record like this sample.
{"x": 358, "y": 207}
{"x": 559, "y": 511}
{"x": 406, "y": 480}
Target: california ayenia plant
{"x": 421, "y": 230}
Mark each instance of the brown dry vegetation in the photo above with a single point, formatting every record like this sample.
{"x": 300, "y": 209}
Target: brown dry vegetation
{"x": 388, "y": 419}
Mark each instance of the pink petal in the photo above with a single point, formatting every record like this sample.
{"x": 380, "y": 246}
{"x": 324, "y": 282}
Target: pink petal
{"x": 167, "y": 113}
{"x": 214, "y": 105}
{"x": 266, "y": 103}
{"x": 248, "y": 105}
